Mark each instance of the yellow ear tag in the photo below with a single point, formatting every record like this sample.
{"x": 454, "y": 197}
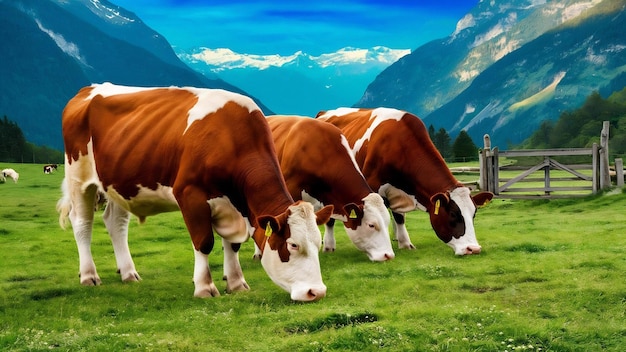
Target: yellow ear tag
{"x": 437, "y": 205}
{"x": 352, "y": 214}
{"x": 268, "y": 230}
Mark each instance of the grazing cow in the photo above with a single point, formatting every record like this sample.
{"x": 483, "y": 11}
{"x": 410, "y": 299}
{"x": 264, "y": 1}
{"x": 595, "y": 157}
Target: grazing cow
{"x": 318, "y": 166}
{"x": 398, "y": 159}
{"x": 205, "y": 152}
{"x": 47, "y": 169}
{"x": 10, "y": 173}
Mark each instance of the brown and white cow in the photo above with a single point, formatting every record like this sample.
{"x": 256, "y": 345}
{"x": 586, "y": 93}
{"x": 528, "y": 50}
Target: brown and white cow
{"x": 399, "y": 160}
{"x": 319, "y": 167}
{"x": 206, "y": 152}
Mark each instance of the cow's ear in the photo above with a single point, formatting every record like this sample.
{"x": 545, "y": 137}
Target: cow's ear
{"x": 268, "y": 223}
{"x": 323, "y": 215}
{"x": 322, "y": 112}
{"x": 438, "y": 201}
{"x": 481, "y": 199}
{"x": 353, "y": 211}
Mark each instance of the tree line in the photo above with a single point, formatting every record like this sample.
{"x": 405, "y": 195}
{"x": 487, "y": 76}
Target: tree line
{"x": 574, "y": 129}
{"x": 462, "y": 149}
{"x": 15, "y": 149}
{"x": 581, "y": 128}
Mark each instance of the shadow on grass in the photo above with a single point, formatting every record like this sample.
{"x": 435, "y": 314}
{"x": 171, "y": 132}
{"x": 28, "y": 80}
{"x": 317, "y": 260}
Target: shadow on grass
{"x": 51, "y": 293}
{"x": 334, "y": 320}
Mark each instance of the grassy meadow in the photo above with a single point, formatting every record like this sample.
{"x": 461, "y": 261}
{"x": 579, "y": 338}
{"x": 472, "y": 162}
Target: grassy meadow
{"x": 551, "y": 277}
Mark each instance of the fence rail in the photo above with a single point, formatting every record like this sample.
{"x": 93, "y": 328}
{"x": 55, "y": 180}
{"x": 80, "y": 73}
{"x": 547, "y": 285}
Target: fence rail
{"x": 549, "y": 177}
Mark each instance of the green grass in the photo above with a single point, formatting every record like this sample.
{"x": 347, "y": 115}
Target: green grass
{"x": 550, "y": 278}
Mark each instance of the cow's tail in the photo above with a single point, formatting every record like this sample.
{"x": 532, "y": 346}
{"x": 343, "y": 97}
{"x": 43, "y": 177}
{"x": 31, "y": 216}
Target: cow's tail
{"x": 64, "y": 205}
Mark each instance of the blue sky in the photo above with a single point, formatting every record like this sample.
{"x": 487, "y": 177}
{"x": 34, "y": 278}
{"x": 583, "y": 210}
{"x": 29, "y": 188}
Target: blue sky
{"x": 284, "y": 27}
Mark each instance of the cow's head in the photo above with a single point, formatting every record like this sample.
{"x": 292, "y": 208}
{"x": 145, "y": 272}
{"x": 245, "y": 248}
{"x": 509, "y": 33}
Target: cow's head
{"x": 452, "y": 217}
{"x": 291, "y": 252}
{"x": 367, "y": 226}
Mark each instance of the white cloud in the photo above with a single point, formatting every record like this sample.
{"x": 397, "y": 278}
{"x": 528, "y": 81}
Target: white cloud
{"x": 224, "y": 59}
{"x": 69, "y": 48}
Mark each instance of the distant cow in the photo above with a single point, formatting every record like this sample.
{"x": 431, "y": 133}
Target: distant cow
{"x": 398, "y": 159}
{"x": 47, "y": 169}
{"x": 318, "y": 166}
{"x": 206, "y": 152}
{"x": 10, "y": 173}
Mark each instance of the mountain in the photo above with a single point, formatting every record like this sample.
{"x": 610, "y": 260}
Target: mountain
{"x": 52, "y": 48}
{"x": 300, "y": 83}
{"x": 508, "y": 66}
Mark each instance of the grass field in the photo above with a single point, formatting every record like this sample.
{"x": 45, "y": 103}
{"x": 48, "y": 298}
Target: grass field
{"x": 551, "y": 277}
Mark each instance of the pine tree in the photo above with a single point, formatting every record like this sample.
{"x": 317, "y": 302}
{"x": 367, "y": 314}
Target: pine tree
{"x": 464, "y": 147}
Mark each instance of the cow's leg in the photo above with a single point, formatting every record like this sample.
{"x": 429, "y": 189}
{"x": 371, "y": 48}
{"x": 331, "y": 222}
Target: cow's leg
{"x": 329, "y": 236}
{"x": 402, "y": 235}
{"x": 257, "y": 252}
{"x": 204, "y": 285}
{"x": 116, "y": 221}
{"x": 197, "y": 215}
{"x": 81, "y": 216}
{"x": 232, "y": 268}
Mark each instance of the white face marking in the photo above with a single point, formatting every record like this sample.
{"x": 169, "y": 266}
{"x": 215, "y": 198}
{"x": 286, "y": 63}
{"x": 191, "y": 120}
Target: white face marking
{"x": 372, "y": 236}
{"x": 461, "y": 196}
{"x": 301, "y": 275}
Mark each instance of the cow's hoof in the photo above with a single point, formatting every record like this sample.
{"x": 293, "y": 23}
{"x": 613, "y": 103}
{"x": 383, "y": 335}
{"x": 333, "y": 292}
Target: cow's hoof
{"x": 242, "y": 286}
{"x": 408, "y": 246}
{"x": 209, "y": 291}
{"x": 90, "y": 280}
{"x": 131, "y": 277}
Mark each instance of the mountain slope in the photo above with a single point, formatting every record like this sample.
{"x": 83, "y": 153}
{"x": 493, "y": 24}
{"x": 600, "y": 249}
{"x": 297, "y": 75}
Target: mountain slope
{"x": 51, "y": 54}
{"x": 551, "y": 74}
{"x": 446, "y": 80}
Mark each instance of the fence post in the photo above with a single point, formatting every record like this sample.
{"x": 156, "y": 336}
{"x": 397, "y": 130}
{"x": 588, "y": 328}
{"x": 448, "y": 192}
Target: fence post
{"x": 495, "y": 171}
{"x": 605, "y": 177}
{"x": 483, "y": 158}
{"x": 594, "y": 168}
{"x": 619, "y": 172}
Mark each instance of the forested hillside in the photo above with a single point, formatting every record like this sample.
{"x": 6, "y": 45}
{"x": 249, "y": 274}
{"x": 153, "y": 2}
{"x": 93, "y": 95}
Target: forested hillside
{"x": 15, "y": 149}
{"x": 581, "y": 128}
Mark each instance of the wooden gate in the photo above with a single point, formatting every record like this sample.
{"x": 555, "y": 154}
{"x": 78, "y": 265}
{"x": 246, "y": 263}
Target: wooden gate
{"x": 548, "y": 177}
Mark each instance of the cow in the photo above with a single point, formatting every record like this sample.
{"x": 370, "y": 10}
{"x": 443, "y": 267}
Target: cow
{"x": 206, "y": 152}
{"x": 10, "y": 173}
{"x": 397, "y": 157}
{"x": 318, "y": 166}
{"x": 47, "y": 169}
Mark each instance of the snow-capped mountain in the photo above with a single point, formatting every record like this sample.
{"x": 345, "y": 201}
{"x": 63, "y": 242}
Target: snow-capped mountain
{"x": 508, "y": 66}
{"x": 300, "y": 83}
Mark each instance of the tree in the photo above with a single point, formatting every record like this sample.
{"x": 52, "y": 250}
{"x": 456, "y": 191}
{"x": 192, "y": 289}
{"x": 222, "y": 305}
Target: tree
{"x": 431, "y": 132}
{"x": 464, "y": 148}
{"x": 442, "y": 142}
{"x": 12, "y": 141}
{"x": 15, "y": 149}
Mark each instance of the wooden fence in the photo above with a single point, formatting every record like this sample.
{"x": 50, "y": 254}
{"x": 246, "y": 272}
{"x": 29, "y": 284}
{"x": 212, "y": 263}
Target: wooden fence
{"x": 548, "y": 177}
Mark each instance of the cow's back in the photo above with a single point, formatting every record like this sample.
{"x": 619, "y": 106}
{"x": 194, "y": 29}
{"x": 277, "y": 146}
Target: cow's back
{"x": 156, "y": 137}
